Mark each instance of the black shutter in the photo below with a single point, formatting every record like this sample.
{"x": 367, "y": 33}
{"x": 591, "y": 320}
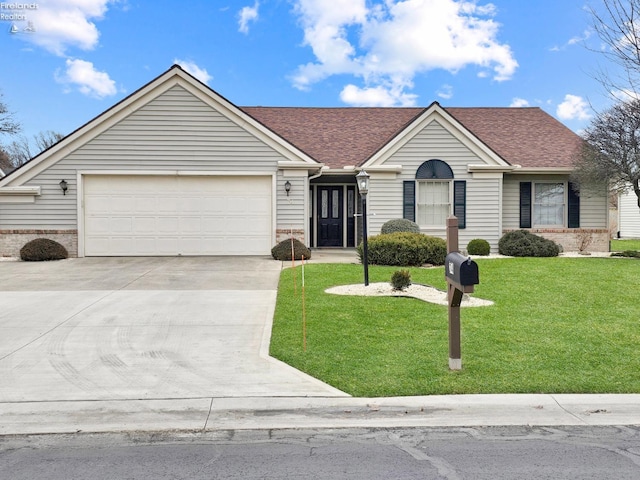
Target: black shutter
{"x": 525, "y": 204}
{"x": 409, "y": 200}
{"x": 460, "y": 202}
{"x": 573, "y": 217}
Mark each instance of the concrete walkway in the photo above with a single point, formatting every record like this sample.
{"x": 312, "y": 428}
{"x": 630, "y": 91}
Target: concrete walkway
{"x": 123, "y": 344}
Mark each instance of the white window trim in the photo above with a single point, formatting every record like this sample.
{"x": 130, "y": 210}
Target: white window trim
{"x": 565, "y": 205}
{"x": 449, "y": 182}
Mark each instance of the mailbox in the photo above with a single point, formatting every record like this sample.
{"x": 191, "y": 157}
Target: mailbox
{"x": 461, "y": 270}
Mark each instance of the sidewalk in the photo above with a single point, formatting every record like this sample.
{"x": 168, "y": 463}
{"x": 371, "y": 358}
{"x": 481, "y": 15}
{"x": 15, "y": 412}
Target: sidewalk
{"x": 211, "y": 414}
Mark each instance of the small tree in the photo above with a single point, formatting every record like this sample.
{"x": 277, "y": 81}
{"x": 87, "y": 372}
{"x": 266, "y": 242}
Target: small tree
{"x": 616, "y": 25}
{"x": 21, "y": 150}
{"x": 610, "y": 154}
{"x": 8, "y": 125}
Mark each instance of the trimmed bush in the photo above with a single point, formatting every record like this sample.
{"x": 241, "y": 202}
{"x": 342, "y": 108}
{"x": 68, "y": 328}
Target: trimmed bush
{"x": 400, "y": 279}
{"x": 522, "y": 243}
{"x": 43, "y": 250}
{"x": 282, "y": 251}
{"x": 399, "y": 225}
{"x": 478, "y": 246}
{"x": 405, "y": 249}
{"x": 627, "y": 253}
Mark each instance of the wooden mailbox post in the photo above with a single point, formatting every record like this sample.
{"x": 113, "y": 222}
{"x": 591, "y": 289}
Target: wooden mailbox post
{"x": 462, "y": 274}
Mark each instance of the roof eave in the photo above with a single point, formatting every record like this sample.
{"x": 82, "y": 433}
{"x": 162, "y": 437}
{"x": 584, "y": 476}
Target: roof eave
{"x": 543, "y": 170}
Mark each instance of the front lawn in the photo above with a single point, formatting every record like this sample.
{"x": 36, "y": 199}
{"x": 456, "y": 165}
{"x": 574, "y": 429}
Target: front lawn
{"x": 559, "y": 325}
{"x": 622, "y": 245}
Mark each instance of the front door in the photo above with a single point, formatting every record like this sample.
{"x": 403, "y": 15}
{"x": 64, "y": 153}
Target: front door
{"x": 330, "y": 216}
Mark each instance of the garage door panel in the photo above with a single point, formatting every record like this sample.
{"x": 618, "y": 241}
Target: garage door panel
{"x": 143, "y": 204}
{"x": 121, "y": 225}
{"x": 177, "y": 215}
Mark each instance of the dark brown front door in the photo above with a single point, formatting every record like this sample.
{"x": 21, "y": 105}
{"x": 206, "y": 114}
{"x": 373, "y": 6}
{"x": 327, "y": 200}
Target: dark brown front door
{"x": 330, "y": 216}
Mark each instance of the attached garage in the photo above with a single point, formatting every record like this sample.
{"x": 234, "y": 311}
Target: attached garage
{"x": 133, "y": 215}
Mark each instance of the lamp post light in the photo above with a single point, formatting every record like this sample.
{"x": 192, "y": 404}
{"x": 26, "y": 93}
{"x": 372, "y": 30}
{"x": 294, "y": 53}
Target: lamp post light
{"x": 363, "y": 187}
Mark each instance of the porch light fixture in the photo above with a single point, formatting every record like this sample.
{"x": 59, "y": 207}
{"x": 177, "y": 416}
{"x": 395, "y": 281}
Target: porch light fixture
{"x": 363, "y": 182}
{"x": 64, "y": 186}
{"x": 363, "y": 187}
{"x": 287, "y": 187}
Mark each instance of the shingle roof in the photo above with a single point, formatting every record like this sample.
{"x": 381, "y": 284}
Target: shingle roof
{"x": 346, "y": 136}
{"x": 528, "y": 137}
{"x": 337, "y": 137}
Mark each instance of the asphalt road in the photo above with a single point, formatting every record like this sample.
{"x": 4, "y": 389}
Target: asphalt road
{"x": 491, "y": 453}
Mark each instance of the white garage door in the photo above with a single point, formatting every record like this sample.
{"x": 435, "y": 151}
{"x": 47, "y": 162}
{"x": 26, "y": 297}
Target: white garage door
{"x": 177, "y": 215}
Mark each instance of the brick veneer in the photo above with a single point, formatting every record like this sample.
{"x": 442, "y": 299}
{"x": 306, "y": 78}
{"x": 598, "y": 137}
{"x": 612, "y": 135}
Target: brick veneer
{"x": 11, "y": 241}
{"x": 568, "y": 238}
{"x": 282, "y": 234}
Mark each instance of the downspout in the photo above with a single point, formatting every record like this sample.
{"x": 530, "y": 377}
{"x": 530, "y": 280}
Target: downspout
{"x": 313, "y": 177}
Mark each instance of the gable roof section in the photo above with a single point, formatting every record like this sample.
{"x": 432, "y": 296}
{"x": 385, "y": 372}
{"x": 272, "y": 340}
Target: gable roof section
{"x": 528, "y": 137}
{"x": 174, "y": 76}
{"x": 436, "y": 114}
{"x": 337, "y": 137}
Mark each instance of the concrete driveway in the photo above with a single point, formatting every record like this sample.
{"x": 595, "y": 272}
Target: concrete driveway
{"x": 143, "y": 329}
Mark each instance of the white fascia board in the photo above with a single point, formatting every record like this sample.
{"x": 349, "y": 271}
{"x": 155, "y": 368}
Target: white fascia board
{"x": 436, "y": 113}
{"x": 288, "y": 165}
{"x": 471, "y": 168}
{"x": 543, "y": 170}
{"x": 382, "y": 168}
{"x": 20, "y": 190}
{"x": 21, "y": 194}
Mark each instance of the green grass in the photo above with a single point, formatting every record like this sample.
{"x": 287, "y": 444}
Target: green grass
{"x": 559, "y": 325}
{"x": 622, "y": 245}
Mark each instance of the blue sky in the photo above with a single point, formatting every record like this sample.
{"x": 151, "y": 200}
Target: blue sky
{"x": 83, "y": 56}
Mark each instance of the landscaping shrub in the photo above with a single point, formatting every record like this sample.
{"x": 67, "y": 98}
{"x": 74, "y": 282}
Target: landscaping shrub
{"x": 282, "y": 251}
{"x": 399, "y": 225}
{"x": 521, "y": 243}
{"x": 405, "y": 249}
{"x": 478, "y": 246}
{"x": 400, "y": 279}
{"x": 43, "y": 249}
{"x": 627, "y": 253}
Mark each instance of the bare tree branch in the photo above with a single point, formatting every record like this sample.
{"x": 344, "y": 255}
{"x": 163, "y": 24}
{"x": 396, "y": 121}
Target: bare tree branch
{"x": 21, "y": 150}
{"x": 611, "y": 152}
{"x": 8, "y": 125}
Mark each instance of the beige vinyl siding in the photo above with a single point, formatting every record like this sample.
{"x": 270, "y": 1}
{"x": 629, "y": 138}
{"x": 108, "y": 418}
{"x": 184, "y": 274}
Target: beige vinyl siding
{"x": 174, "y": 131}
{"x": 594, "y": 211}
{"x": 629, "y": 216}
{"x": 384, "y": 202}
{"x": 483, "y": 212}
{"x": 292, "y": 211}
{"x": 593, "y": 208}
{"x": 435, "y": 142}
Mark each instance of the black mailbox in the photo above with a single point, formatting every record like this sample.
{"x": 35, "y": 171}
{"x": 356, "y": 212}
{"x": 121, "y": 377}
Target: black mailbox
{"x": 461, "y": 270}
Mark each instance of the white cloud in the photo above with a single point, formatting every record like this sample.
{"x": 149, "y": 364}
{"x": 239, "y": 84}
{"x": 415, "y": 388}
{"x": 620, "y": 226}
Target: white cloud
{"x": 190, "y": 67}
{"x": 246, "y": 16}
{"x": 379, "y": 96}
{"x": 87, "y": 79}
{"x": 573, "y": 108}
{"x": 389, "y": 42}
{"x": 578, "y": 39}
{"x": 625, "y": 95}
{"x": 60, "y": 24}
{"x": 519, "y": 102}
{"x": 445, "y": 92}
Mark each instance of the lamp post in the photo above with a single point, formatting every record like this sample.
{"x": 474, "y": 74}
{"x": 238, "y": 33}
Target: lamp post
{"x": 363, "y": 187}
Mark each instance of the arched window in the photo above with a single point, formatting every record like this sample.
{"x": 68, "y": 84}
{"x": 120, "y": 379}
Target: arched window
{"x": 434, "y": 169}
{"x": 435, "y": 195}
